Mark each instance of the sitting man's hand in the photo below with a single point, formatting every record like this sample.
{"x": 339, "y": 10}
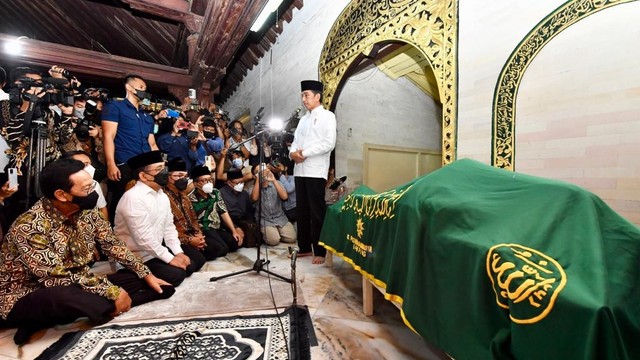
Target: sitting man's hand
{"x": 155, "y": 283}
{"x": 122, "y": 303}
{"x": 178, "y": 262}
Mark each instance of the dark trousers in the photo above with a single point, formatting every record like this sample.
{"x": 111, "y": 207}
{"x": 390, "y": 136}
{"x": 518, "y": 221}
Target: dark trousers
{"x": 292, "y": 215}
{"x": 310, "y": 207}
{"x": 252, "y": 233}
{"x": 218, "y": 244}
{"x": 115, "y": 190}
{"x": 49, "y": 306}
{"x": 175, "y": 275}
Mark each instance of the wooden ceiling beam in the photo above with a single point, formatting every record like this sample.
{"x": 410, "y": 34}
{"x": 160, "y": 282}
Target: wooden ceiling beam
{"x": 222, "y": 33}
{"x": 176, "y": 10}
{"x": 81, "y": 61}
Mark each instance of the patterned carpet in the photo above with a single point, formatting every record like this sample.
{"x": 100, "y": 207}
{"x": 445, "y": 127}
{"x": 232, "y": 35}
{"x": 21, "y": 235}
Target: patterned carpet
{"x": 273, "y": 337}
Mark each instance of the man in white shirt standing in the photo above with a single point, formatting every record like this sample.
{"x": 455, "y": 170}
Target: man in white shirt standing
{"x": 314, "y": 140}
{"x": 144, "y": 220}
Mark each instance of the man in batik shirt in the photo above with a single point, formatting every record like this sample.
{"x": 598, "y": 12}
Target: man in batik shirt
{"x": 45, "y": 278}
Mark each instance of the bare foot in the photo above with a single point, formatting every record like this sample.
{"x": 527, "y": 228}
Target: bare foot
{"x": 301, "y": 255}
{"x": 318, "y": 260}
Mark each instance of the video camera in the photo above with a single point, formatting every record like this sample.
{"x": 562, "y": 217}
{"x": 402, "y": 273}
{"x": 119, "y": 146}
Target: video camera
{"x": 57, "y": 91}
{"x": 275, "y": 138}
{"x": 83, "y": 126}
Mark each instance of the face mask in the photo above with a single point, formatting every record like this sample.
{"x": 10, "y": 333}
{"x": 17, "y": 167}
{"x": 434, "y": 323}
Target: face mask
{"x": 181, "y": 184}
{"x": 209, "y": 134}
{"x": 162, "y": 178}
{"x": 90, "y": 169}
{"x": 289, "y": 148}
{"x": 52, "y": 108}
{"x": 78, "y": 112}
{"x": 86, "y": 202}
{"x": 237, "y": 163}
{"x": 239, "y": 187}
{"x": 142, "y": 94}
{"x": 207, "y": 188}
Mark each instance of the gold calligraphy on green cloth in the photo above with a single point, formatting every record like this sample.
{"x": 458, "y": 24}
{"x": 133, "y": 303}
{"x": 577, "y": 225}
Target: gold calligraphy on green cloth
{"x": 380, "y": 206}
{"x": 525, "y": 281}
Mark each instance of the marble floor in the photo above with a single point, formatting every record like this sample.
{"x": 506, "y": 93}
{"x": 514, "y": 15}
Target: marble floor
{"x": 332, "y": 294}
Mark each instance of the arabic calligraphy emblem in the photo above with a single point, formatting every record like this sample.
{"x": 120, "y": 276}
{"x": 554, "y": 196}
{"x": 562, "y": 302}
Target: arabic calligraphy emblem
{"x": 525, "y": 281}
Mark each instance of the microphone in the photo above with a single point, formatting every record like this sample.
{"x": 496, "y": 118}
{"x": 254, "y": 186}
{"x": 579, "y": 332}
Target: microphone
{"x": 293, "y": 250}
{"x": 56, "y": 81}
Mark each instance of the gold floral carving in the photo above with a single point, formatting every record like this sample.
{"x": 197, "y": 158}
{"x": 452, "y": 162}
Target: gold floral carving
{"x": 504, "y": 101}
{"x": 429, "y": 25}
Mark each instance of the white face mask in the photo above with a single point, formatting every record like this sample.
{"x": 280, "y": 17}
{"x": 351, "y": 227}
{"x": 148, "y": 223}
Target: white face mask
{"x": 90, "y": 169}
{"x": 237, "y": 163}
{"x": 78, "y": 112}
{"x": 207, "y": 188}
{"x": 289, "y": 148}
{"x": 239, "y": 187}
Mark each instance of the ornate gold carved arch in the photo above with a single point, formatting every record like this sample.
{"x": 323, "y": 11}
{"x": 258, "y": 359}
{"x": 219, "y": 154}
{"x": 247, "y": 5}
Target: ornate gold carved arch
{"x": 504, "y": 100}
{"x": 429, "y": 25}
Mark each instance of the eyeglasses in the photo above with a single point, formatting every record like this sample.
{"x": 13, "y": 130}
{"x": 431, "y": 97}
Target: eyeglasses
{"x": 155, "y": 171}
{"x": 175, "y": 176}
{"x": 89, "y": 188}
{"x": 204, "y": 181}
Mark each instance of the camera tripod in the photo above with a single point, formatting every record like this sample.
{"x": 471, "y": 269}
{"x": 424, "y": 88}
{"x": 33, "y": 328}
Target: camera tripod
{"x": 259, "y": 264}
{"x": 39, "y": 136}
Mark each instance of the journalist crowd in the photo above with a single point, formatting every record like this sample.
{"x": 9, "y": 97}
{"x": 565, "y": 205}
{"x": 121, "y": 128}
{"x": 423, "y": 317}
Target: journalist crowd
{"x": 156, "y": 187}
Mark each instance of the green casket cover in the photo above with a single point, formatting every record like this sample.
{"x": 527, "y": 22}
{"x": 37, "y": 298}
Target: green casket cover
{"x": 489, "y": 263}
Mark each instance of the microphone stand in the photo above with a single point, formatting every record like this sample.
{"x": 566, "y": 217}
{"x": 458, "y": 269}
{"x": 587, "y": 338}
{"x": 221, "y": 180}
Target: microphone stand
{"x": 260, "y": 263}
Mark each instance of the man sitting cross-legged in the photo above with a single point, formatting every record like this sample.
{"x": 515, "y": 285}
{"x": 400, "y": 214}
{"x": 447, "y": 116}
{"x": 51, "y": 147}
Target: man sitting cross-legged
{"x": 145, "y": 222}
{"x": 211, "y": 211}
{"x": 44, "y": 274}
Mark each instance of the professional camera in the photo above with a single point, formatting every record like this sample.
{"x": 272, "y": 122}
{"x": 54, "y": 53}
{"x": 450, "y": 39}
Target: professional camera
{"x": 96, "y": 94}
{"x": 83, "y": 126}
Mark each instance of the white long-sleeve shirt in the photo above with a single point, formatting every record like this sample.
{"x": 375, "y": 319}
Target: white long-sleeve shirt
{"x": 316, "y": 136}
{"x": 143, "y": 220}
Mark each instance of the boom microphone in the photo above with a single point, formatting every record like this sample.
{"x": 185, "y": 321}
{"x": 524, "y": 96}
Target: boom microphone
{"x": 56, "y": 81}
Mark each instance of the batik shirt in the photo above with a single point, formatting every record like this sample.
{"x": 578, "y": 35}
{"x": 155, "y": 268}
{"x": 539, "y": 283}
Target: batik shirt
{"x": 184, "y": 218}
{"x": 208, "y": 208}
{"x": 58, "y": 129}
{"x": 44, "y": 248}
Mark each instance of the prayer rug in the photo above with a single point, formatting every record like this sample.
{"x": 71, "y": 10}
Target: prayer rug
{"x": 238, "y": 337}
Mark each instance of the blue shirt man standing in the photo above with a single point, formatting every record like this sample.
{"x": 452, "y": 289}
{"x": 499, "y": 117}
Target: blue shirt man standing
{"x": 128, "y": 131}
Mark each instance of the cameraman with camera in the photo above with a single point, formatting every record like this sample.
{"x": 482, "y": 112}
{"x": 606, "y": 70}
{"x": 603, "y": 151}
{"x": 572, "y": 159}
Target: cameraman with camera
{"x": 30, "y": 118}
{"x": 87, "y": 133}
{"x": 184, "y": 141}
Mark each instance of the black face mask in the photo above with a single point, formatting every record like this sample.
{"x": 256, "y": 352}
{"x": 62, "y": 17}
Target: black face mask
{"x": 86, "y": 202}
{"x": 162, "y": 178}
{"x": 181, "y": 184}
{"x": 142, "y": 94}
{"x": 209, "y": 134}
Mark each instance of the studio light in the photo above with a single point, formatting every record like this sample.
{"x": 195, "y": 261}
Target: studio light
{"x": 276, "y": 124}
{"x": 14, "y": 47}
{"x": 271, "y": 6}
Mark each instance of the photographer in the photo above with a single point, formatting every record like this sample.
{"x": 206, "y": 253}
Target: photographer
{"x": 214, "y": 136}
{"x": 30, "y": 117}
{"x": 184, "y": 142}
{"x": 87, "y": 134}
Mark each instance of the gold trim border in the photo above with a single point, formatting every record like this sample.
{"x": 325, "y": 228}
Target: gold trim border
{"x": 504, "y": 101}
{"x": 391, "y": 297}
{"x": 429, "y": 25}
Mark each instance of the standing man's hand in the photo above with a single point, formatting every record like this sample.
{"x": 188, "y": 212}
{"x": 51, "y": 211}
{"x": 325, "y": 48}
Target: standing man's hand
{"x": 296, "y": 156}
{"x": 113, "y": 172}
